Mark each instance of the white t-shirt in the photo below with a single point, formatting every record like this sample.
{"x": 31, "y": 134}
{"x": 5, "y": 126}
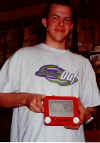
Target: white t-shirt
{"x": 49, "y": 71}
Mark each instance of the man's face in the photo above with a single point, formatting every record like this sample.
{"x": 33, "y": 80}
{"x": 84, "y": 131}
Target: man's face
{"x": 58, "y": 23}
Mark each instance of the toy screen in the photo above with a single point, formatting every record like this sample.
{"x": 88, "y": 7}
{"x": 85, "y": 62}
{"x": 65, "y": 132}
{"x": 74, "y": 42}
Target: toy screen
{"x": 61, "y": 108}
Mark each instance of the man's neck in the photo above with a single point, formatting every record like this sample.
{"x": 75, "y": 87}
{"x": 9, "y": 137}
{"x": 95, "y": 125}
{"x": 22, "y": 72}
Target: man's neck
{"x": 56, "y": 45}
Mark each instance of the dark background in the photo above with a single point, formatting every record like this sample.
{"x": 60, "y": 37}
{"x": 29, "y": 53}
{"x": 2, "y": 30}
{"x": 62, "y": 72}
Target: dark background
{"x": 16, "y": 15}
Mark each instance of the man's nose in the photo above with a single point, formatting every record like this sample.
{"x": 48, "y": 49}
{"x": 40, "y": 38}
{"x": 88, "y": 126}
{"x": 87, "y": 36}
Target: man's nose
{"x": 61, "y": 22}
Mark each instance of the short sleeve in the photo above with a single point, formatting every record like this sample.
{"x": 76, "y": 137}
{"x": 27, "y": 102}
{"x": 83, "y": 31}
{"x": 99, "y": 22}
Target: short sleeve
{"x": 9, "y": 75}
{"x": 89, "y": 91}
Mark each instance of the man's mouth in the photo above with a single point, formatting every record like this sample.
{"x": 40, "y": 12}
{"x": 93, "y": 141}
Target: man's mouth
{"x": 59, "y": 30}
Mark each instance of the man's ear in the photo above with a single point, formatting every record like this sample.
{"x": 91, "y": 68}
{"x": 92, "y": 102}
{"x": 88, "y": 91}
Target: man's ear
{"x": 44, "y": 22}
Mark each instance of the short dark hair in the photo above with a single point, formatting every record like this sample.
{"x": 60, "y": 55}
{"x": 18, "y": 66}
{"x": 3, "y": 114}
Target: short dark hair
{"x": 51, "y": 2}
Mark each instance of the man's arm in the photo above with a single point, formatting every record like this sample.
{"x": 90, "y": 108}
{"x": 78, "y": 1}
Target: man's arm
{"x": 84, "y": 115}
{"x": 32, "y": 101}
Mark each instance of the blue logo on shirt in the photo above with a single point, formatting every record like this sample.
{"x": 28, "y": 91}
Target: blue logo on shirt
{"x": 57, "y": 75}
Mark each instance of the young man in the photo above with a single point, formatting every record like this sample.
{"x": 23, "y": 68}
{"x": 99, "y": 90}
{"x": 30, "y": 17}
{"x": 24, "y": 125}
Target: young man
{"x": 26, "y": 79}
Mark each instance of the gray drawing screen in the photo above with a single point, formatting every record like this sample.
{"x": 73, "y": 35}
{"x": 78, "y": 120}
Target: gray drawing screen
{"x": 61, "y": 108}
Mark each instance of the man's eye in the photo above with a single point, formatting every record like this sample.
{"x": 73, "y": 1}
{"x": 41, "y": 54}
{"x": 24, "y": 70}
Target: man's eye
{"x": 68, "y": 19}
{"x": 55, "y": 17}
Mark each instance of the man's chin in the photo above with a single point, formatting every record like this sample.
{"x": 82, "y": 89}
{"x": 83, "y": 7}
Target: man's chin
{"x": 60, "y": 40}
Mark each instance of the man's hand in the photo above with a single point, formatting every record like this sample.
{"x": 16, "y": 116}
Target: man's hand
{"x": 84, "y": 115}
{"x": 31, "y": 100}
{"x": 35, "y": 102}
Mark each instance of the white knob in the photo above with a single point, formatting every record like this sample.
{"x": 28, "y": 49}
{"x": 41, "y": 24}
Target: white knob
{"x": 76, "y": 120}
{"x": 47, "y": 120}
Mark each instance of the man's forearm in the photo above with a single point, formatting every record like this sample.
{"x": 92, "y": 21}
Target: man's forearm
{"x": 94, "y": 110}
{"x": 32, "y": 101}
{"x": 12, "y": 99}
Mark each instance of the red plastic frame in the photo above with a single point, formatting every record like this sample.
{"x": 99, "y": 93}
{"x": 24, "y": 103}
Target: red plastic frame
{"x": 60, "y": 121}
